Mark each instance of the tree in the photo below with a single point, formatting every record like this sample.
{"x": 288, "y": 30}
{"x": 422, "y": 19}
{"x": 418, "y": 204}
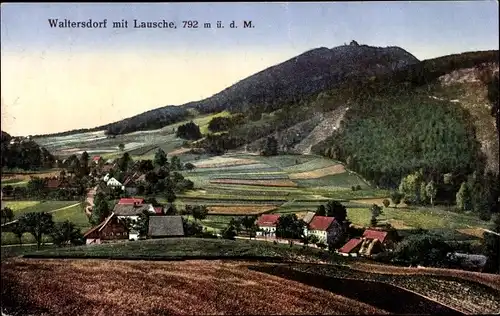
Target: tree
{"x": 229, "y": 232}
{"x": 84, "y": 163}
{"x": 189, "y": 131}
{"x": 142, "y": 224}
{"x": 431, "y": 191}
{"x": 124, "y": 162}
{"x": 175, "y": 164}
{"x": 160, "y": 158}
{"x": 199, "y": 212}
{"x": 491, "y": 245}
{"x": 376, "y": 211}
{"x": 248, "y": 222}
{"x": 386, "y": 203}
{"x": 66, "y": 233}
{"x": 170, "y": 194}
{"x": 171, "y": 210}
{"x": 333, "y": 208}
{"x": 189, "y": 166}
{"x": 121, "y": 147}
{"x": 321, "y": 211}
{"x": 424, "y": 250}
{"x": 18, "y": 229}
{"x": 7, "y": 214}
{"x": 396, "y": 198}
{"x": 289, "y": 226}
{"x": 464, "y": 198}
{"x": 145, "y": 166}
{"x": 100, "y": 210}
{"x": 410, "y": 186}
{"x": 37, "y": 224}
{"x": 270, "y": 147}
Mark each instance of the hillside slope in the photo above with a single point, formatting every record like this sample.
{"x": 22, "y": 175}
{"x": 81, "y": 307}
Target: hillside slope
{"x": 268, "y": 90}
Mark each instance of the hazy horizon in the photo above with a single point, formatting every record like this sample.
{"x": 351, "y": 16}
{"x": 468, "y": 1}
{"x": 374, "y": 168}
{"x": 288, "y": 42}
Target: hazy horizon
{"x": 56, "y": 80}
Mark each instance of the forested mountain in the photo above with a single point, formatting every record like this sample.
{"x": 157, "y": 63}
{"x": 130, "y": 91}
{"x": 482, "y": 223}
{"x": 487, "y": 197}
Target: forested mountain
{"x": 286, "y": 83}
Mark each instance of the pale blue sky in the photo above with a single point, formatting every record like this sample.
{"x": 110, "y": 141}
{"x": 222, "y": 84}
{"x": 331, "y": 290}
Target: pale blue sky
{"x": 426, "y": 28}
{"x": 92, "y": 77}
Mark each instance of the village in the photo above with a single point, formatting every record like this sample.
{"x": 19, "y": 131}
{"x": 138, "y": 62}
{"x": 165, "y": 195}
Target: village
{"x": 129, "y": 216}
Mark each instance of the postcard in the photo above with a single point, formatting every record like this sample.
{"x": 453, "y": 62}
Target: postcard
{"x": 250, "y": 158}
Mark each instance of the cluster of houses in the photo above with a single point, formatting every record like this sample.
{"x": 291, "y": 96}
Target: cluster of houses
{"x": 128, "y": 185}
{"x": 326, "y": 229}
{"x": 115, "y": 228}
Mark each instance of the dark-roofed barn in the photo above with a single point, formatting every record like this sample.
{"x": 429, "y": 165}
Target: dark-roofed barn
{"x": 165, "y": 226}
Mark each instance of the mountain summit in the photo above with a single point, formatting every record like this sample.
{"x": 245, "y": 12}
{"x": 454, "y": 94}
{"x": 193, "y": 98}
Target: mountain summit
{"x": 270, "y": 89}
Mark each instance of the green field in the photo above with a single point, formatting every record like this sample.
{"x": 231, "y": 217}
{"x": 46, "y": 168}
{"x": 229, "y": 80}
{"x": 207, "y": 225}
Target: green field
{"x": 14, "y": 251}
{"x": 75, "y": 214}
{"x": 188, "y": 247}
{"x": 23, "y": 207}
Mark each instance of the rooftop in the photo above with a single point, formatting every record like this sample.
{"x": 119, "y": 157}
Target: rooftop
{"x": 165, "y": 226}
{"x": 321, "y": 223}
{"x": 268, "y": 220}
{"x": 375, "y": 234}
{"x": 130, "y": 209}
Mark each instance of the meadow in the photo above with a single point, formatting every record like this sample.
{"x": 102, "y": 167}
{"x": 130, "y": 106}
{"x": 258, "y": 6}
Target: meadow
{"x": 60, "y": 210}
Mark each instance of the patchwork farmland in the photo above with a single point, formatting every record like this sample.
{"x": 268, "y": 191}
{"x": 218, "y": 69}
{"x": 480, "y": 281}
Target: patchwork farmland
{"x": 239, "y": 184}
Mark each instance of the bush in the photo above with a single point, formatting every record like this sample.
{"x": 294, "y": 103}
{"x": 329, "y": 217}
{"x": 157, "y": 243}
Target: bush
{"x": 386, "y": 203}
{"x": 321, "y": 245}
{"x": 427, "y": 250}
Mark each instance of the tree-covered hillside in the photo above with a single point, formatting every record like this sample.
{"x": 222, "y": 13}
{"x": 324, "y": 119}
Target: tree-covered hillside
{"x": 24, "y": 154}
{"x": 386, "y": 139}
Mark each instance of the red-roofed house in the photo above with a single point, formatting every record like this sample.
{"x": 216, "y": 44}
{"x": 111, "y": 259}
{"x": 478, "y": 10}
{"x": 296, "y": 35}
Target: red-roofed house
{"x": 110, "y": 229}
{"x": 131, "y": 201}
{"x": 375, "y": 234}
{"x": 324, "y": 227}
{"x": 351, "y": 248}
{"x": 267, "y": 224}
{"x": 96, "y": 159}
{"x": 159, "y": 210}
{"x": 53, "y": 184}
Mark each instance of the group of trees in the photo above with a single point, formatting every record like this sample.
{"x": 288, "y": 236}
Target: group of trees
{"x": 7, "y": 215}
{"x": 270, "y": 147}
{"x": 42, "y": 224}
{"x": 225, "y": 123}
{"x": 235, "y": 226}
{"x": 24, "y": 154}
{"x": 147, "y": 121}
{"x": 477, "y": 193}
{"x": 189, "y": 131}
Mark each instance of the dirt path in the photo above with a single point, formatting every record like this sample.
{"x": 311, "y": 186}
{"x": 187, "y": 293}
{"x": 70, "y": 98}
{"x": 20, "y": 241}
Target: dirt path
{"x": 328, "y": 125}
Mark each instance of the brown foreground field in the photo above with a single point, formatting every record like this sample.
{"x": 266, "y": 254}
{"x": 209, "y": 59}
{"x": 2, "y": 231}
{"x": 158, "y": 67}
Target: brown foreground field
{"x": 491, "y": 280}
{"x": 100, "y": 287}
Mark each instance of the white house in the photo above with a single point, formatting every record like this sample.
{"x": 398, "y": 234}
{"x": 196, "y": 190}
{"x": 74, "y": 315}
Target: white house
{"x": 112, "y": 182}
{"x": 324, "y": 227}
{"x": 267, "y": 225}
